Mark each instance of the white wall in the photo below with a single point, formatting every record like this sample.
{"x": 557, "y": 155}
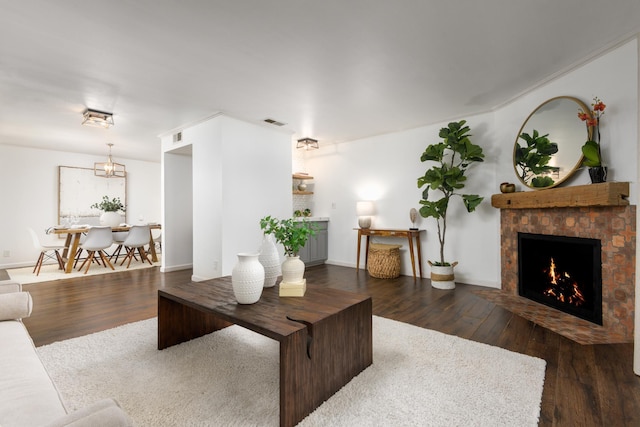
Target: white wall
{"x": 257, "y": 179}
{"x": 29, "y": 189}
{"x": 241, "y": 172}
{"x": 177, "y": 208}
{"x": 385, "y": 168}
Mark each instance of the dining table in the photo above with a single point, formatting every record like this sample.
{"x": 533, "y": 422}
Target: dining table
{"x": 73, "y": 241}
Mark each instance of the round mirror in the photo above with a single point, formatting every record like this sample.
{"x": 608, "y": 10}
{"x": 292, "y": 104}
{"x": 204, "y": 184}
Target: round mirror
{"x": 548, "y": 148}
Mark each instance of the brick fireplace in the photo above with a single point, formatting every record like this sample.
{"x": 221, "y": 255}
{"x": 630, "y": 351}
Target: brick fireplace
{"x": 613, "y": 222}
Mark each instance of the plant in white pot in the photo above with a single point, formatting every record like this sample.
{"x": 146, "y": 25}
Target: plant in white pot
{"x": 110, "y": 209}
{"x": 446, "y": 177}
{"x": 292, "y": 234}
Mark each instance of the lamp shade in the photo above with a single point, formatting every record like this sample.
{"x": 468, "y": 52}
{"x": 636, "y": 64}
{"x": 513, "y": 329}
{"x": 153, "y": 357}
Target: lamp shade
{"x": 365, "y": 208}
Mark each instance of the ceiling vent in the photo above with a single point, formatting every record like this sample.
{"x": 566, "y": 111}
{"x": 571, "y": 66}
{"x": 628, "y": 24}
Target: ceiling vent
{"x": 274, "y": 122}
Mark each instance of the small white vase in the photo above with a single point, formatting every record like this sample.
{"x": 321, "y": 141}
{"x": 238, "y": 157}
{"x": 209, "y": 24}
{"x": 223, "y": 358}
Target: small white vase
{"x": 111, "y": 219}
{"x": 292, "y": 269}
{"x": 247, "y": 278}
{"x": 270, "y": 260}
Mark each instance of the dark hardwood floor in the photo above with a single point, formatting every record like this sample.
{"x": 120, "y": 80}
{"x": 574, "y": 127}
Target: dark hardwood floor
{"x": 585, "y": 385}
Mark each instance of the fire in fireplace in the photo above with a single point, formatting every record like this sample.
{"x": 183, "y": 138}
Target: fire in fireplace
{"x": 562, "y": 272}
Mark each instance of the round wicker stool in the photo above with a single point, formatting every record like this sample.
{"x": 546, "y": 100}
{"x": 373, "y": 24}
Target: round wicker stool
{"x": 384, "y": 261}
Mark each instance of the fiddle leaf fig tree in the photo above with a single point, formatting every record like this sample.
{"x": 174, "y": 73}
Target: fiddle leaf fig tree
{"x": 446, "y": 177}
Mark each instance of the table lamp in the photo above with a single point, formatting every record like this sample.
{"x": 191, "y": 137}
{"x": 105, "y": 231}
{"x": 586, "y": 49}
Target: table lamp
{"x": 364, "y": 209}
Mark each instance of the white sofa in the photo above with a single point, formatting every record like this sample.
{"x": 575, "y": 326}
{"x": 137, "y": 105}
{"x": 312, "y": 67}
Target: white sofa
{"x": 28, "y": 397}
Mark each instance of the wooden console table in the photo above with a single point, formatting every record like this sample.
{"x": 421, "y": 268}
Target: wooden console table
{"x": 408, "y": 234}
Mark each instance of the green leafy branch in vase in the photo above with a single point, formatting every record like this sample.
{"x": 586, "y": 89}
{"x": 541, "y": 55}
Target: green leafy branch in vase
{"x": 109, "y": 205}
{"x": 292, "y": 234}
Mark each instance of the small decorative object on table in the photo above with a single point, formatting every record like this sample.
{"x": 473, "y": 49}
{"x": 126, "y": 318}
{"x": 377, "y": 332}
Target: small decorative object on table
{"x": 507, "y": 187}
{"x": 592, "y": 149}
{"x": 413, "y": 215}
{"x": 292, "y": 235}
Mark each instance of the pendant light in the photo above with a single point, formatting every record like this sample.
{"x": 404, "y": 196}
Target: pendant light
{"x": 109, "y": 169}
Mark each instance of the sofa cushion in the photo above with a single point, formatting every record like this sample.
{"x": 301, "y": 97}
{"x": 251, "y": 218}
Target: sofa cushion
{"x": 15, "y": 305}
{"x": 28, "y": 397}
{"x": 9, "y": 286}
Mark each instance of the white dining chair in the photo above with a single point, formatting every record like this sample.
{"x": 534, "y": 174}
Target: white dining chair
{"x": 47, "y": 251}
{"x": 137, "y": 238}
{"x": 118, "y": 239}
{"x": 98, "y": 239}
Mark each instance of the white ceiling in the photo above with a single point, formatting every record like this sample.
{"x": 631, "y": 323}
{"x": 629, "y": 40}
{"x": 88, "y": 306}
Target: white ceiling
{"x": 334, "y": 70}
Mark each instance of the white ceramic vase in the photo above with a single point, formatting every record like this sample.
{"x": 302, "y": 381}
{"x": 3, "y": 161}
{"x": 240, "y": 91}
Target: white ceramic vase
{"x": 292, "y": 269}
{"x": 111, "y": 219}
{"x": 270, "y": 260}
{"x": 247, "y": 278}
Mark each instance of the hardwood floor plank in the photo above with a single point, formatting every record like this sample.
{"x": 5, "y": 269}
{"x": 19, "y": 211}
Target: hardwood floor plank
{"x": 492, "y": 326}
{"x": 615, "y": 369}
{"x": 515, "y": 336}
{"x": 545, "y": 344}
{"x": 576, "y": 372}
{"x": 580, "y": 408}
{"x": 584, "y": 385}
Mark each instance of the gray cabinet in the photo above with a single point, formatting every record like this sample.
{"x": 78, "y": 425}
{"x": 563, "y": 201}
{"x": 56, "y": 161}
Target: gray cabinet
{"x": 316, "y": 251}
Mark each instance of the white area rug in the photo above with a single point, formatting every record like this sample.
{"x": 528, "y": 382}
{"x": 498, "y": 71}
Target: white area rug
{"x": 418, "y": 377}
{"x": 51, "y": 272}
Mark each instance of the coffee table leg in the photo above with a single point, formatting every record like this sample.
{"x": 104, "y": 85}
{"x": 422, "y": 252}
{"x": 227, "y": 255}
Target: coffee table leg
{"x": 178, "y": 323}
{"x": 317, "y": 361}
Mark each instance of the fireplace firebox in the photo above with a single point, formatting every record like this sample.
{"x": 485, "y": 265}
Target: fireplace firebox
{"x": 562, "y": 272}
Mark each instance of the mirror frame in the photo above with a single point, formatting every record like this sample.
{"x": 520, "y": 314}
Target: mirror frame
{"x": 579, "y": 105}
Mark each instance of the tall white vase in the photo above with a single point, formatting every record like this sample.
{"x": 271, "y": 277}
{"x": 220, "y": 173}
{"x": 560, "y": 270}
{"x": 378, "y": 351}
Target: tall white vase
{"x": 247, "y": 278}
{"x": 292, "y": 269}
{"x": 270, "y": 260}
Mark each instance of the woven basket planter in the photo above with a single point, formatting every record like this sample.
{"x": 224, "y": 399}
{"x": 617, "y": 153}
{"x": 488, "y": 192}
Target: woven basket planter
{"x": 384, "y": 261}
{"x": 442, "y": 277}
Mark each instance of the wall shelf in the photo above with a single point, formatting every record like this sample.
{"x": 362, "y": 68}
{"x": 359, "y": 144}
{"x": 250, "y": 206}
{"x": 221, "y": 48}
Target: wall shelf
{"x": 301, "y": 177}
{"x": 602, "y": 194}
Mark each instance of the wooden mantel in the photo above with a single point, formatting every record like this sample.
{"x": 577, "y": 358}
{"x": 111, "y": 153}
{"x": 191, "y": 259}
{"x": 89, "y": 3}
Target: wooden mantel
{"x": 603, "y": 194}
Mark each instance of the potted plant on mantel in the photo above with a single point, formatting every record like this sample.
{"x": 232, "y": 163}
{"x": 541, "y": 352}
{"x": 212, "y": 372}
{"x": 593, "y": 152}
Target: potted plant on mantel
{"x": 110, "y": 209}
{"x": 292, "y": 234}
{"x": 591, "y": 149}
{"x": 453, "y": 156}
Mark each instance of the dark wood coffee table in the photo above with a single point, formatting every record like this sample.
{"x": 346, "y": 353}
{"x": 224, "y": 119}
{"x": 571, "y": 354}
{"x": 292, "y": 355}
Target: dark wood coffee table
{"x": 325, "y": 336}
